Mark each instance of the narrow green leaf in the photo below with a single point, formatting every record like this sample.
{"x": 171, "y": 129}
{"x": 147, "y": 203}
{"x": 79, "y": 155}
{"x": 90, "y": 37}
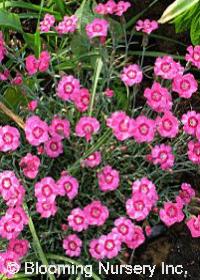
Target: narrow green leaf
{"x": 10, "y": 20}
{"x": 33, "y": 41}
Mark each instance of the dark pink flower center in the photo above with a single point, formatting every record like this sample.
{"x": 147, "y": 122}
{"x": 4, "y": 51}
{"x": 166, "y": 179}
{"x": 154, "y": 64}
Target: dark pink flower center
{"x": 68, "y": 186}
{"x": 72, "y": 245}
{"x": 54, "y": 146}
{"x": 156, "y": 96}
{"x": 17, "y": 218}
{"x": 144, "y": 129}
{"x": 196, "y": 224}
{"x": 192, "y": 122}
{"x": 8, "y": 228}
{"x": 109, "y": 178}
{"x": 167, "y": 124}
{"x": 109, "y": 245}
{"x": 144, "y": 188}
{"x": 88, "y": 128}
{"x": 38, "y": 132}
{"x": 85, "y": 100}
{"x": 123, "y": 229}
{"x": 124, "y": 126}
{"x": 68, "y": 87}
{"x": 196, "y": 56}
{"x": 139, "y": 205}
{"x": 18, "y": 248}
{"x": 46, "y": 206}
{"x": 163, "y": 156}
{"x": 172, "y": 211}
{"x": 69, "y": 22}
{"x": 185, "y": 85}
{"x": 166, "y": 67}
{"x": 95, "y": 212}
{"x": 47, "y": 191}
{"x": 8, "y": 138}
{"x": 131, "y": 74}
{"x": 97, "y": 28}
{"x": 6, "y": 183}
{"x": 197, "y": 150}
{"x": 78, "y": 219}
{"x": 59, "y": 128}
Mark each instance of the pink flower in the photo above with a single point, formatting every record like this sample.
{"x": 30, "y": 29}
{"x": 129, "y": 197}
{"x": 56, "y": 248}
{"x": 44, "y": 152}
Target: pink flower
{"x": 6, "y": 261}
{"x": 148, "y": 230}
{"x": 121, "y": 125}
{"x": 86, "y": 127}
{"x": 138, "y": 238}
{"x": 108, "y": 179}
{"x": 59, "y": 128}
{"x": 143, "y": 129}
{"x": 32, "y": 105}
{"x": 93, "y": 160}
{"x": 138, "y": 206}
{"x": 94, "y": 249}
{"x": 15, "y": 197}
{"x": 4, "y": 75}
{"x": 36, "y": 131}
{"x": 110, "y": 7}
{"x": 9, "y": 138}
{"x": 67, "y": 87}
{"x": 30, "y": 165}
{"x": 100, "y": 9}
{"x": 53, "y": 147}
{"x": 122, "y": 7}
{"x": 3, "y": 50}
{"x": 72, "y": 245}
{"x": 158, "y": 98}
{"x": 167, "y": 68}
{"x": 146, "y": 26}
{"x": 162, "y": 155}
{"x": 194, "y": 151}
{"x": 46, "y": 189}
{"x": 167, "y": 125}
{"x": 81, "y": 99}
{"x": 124, "y": 228}
{"x": 18, "y": 80}
{"x": 46, "y": 208}
{"x": 68, "y": 25}
{"x": 43, "y": 62}
{"x": 8, "y": 183}
{"x": 194, "y": 226}
{"x": 77, "y": 220}
{"x": 31, "y": 65}
{"x": 172, "y": 213}
{"x": 109, "y": 245}
{"x": 186, "y": 193}
{"x": 146, "y": 188}
{"x": 132, "y": 75}
{"x": 19, "y": 247}
{"x": 96, "y": 213}
{"x": 194, "y": 55}
{"x": 68, "y": 185}
{"x": 47, "y": 23}
{"x": 190, "y": 121}
{"x": 109, "y": 93}
{"x": 185, "y": 85}
{"x": 97, "y": 28}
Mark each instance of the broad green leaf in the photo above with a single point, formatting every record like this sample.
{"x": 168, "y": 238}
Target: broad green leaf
{"x": 79, "y": 44}
{"x": 184, "y": 21}
{"x": 195, "y": 30}
{"x": 176, "y": 9}
{"x": 13, "y": 99}
{"x": 85, "y": 15}
{"x": 10, "y": 20}
{"x": 61, "y": 6}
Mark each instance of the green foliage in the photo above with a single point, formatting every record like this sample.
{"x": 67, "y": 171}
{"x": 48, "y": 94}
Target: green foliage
{"x": 10, "y": 20}
{"x": 186, "y": 16}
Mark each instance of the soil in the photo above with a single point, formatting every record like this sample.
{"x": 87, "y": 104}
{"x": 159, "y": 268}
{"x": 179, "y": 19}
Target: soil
{"x": 175, "y": 247}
